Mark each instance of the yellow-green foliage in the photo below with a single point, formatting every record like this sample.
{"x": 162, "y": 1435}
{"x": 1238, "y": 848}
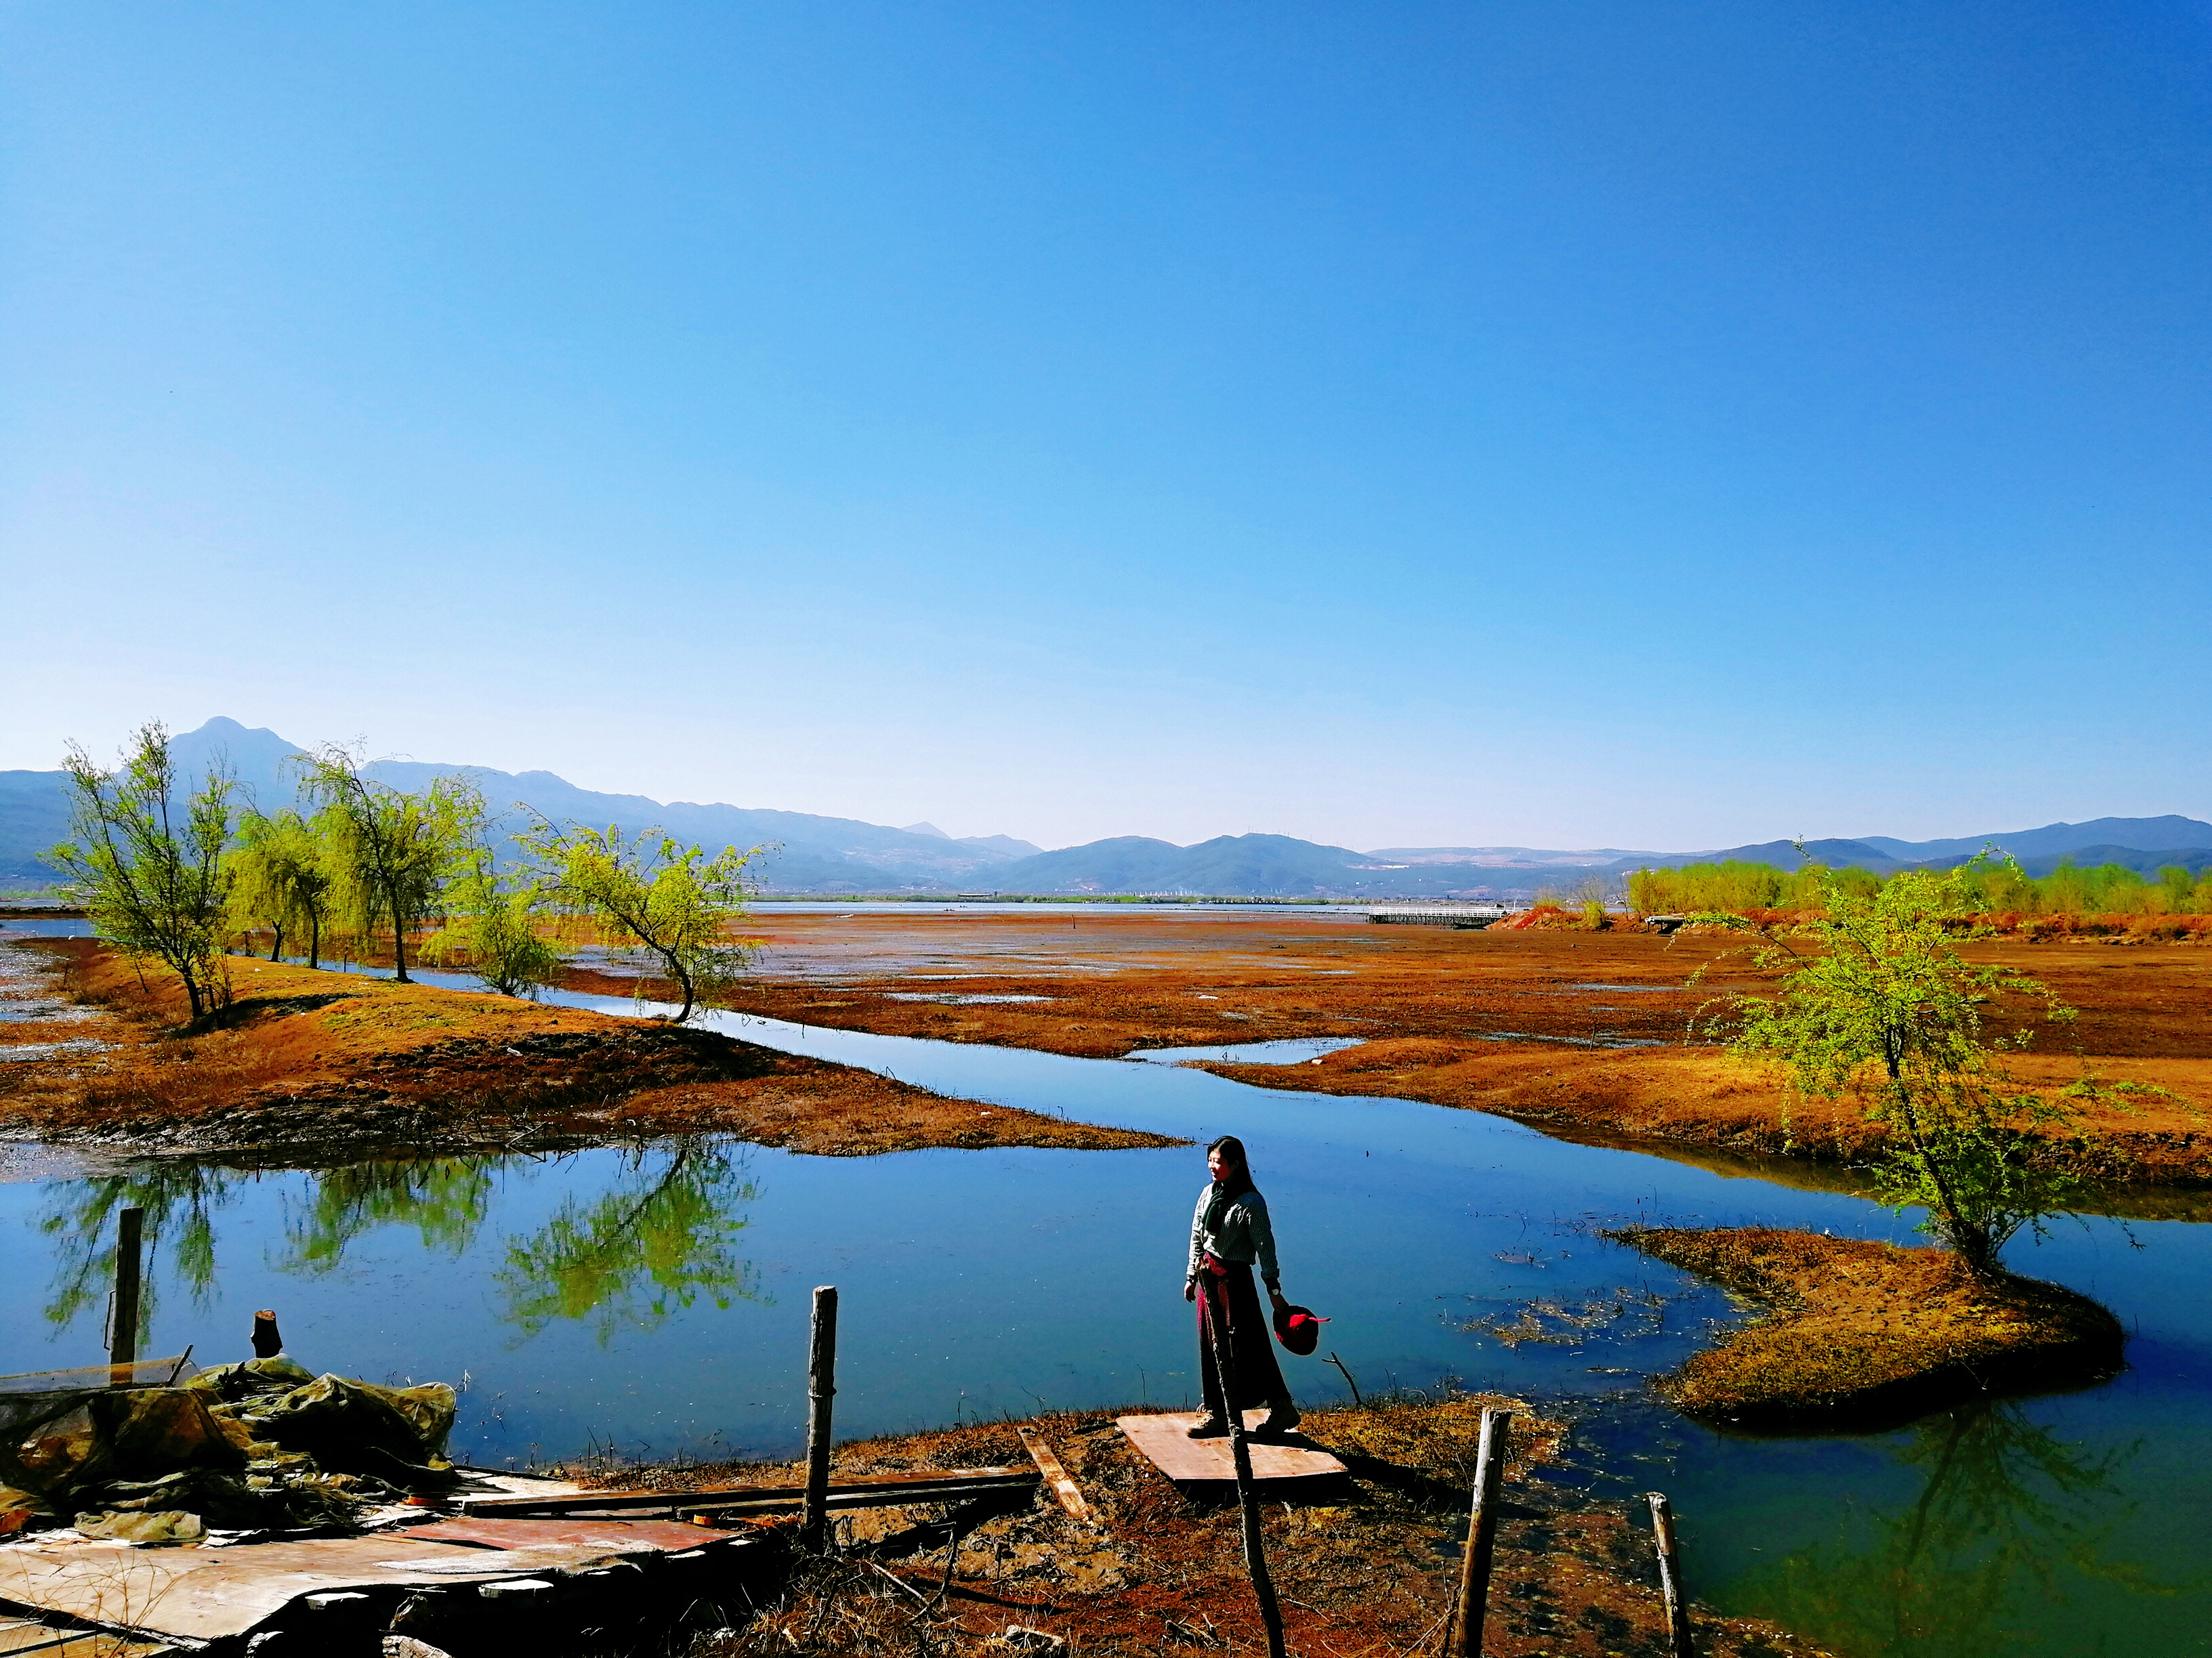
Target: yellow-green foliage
{"x": 1733, "y": 887}
{"x": 1992, "y": 889}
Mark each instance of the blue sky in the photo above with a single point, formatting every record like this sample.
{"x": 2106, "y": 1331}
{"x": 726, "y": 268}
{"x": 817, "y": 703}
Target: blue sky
{"x": 1635, "y": 425}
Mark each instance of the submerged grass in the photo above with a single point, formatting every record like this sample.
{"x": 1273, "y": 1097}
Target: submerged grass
{"x": 1858, "y": 1334}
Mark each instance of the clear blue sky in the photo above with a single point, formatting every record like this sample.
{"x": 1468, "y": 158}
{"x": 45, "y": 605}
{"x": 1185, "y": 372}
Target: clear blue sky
{"x": 1642, "y": 425}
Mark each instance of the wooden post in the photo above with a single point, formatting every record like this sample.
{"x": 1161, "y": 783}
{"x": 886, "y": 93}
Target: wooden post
{"x": 821, "y": 1389}
{"x": 122, "y": 1327}
{"x": 1248, "y": 1502}
{"x": 1670, "y": 1576}
{"x": 1465, "y": 1638}
{"x": 268, "y": 1341}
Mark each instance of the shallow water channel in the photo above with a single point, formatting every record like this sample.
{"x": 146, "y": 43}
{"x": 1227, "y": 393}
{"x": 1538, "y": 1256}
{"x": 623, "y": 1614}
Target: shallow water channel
{"x": 657, "y": 1303}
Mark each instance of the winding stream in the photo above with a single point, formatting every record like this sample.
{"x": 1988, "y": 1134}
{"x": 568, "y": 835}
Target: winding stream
{"x": 656, "y": 1302}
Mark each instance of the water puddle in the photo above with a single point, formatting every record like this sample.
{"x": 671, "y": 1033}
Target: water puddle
{"x": 955, "y": 998}
{"x": 1599, "y": 1041}
{"x": 1289, "y": 1050}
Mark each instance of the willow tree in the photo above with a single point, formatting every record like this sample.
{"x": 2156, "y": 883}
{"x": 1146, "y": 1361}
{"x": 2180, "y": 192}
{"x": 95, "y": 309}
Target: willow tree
{"x": 1883, "y": 1005}
{"x": 491, "y": 929}
{"x": 653, "y": 892}
{"x": 148, "y": 868}
{"x": 391, "y": 851}
{"x": 281, "y": 879}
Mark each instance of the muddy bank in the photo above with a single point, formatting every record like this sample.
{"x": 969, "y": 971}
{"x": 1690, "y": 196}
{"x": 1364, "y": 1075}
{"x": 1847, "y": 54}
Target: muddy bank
{"x": 1704, "y": 1096}
{"x": 1588, "y": 1034}
{"x": 323, "y": 1065}
{"x": 1858, "y": 1335}
{"x": 1366, "y": 1566}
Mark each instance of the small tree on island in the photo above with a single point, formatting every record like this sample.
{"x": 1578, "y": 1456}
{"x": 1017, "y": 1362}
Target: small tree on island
{"x": 391, "y": 852}
{"x": 149, "y": 871}
{"x": 1886, "y": 1004}
{"x": 652, "y": 891}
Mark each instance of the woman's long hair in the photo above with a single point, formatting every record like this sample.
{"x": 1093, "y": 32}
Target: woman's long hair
{"x": 1226, "y": 1192}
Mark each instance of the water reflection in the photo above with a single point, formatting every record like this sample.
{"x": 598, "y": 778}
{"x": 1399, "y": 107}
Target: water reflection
{"x": 444, "y": 1200}
{"x": 2008, "y": 1519}
{"x": 660, "y": 1237}
{"x": 636, "y": 1235}
{"x": 180, "y": 1201}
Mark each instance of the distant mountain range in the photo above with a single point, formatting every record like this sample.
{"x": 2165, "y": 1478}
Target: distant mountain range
{"x": 841, "y": 855}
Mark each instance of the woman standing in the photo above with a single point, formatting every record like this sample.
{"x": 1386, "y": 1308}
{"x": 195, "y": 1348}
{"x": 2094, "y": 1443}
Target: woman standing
{"x": 1229, "y": 1234}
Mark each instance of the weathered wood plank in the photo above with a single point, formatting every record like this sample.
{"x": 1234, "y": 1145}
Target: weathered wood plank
{"x": 1163, "y": 1439}
{"x": 958, "y": 1481}
{"x": 1063, "y": 1485}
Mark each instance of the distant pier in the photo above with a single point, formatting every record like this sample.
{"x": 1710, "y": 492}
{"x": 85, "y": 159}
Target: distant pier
{"x": 1460, "y": 915}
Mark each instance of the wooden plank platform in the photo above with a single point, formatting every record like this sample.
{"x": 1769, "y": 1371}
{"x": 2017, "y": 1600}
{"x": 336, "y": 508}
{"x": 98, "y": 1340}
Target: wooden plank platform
{"x": 1163, "y": 1438}
{"x": 201, "y": 1594}
{"x": 855, "y": 1492}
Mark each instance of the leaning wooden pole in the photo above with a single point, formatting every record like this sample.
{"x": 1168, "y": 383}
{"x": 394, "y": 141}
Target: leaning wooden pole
{"x": 1465, "y": 1640}
{"x": 821, "y": 1389}
{"x": 1240, "y": 1453}
{"x": 1670, "y": 1577}
{"x": 123, "y": 1321}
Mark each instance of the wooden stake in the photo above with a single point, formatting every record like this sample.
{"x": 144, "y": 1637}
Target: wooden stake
{"x": 821, "y": 1389}
{"x": 1248, "y": 1502}
{"x": 1670, "y": 1576}
{"x": 1463, "y": 1638}
{"x": 123, "y": 1330}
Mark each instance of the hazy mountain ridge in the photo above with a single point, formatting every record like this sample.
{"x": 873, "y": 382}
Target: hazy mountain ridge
{"x": 831, "y": 855}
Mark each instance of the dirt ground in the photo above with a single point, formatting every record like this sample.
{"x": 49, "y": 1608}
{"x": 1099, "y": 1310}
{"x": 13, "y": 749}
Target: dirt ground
{"x": 1364, "y": 1566}
{"x": 1580, "y": 1032}
{"x": 320, "y": 1066}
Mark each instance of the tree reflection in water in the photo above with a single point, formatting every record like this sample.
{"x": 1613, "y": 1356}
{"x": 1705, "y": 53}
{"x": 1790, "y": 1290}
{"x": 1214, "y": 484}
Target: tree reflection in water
{"x": 661, "y": 1236}
{"x": 444, "y": 1200}
{"x": 2008, "y": 1514}
{"x": 180, "y": 1201}
{"x": 658, "y": 1238}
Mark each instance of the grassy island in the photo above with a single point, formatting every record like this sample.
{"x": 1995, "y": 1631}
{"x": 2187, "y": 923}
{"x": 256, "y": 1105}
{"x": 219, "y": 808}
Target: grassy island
{"x": 317, "y": 1066}
{"x": 1863, "y": 1335}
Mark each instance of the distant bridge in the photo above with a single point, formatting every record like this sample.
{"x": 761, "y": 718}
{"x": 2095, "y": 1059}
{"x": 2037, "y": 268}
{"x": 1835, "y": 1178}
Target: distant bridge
{"x": 1462, "y": 915}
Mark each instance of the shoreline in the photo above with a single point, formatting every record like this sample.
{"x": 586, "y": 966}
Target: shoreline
{"x": 322, "y": 1067}
{"x": 1367, "y": 1564}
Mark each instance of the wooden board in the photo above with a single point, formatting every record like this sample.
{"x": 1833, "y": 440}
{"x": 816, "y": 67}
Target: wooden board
{"x": 1163, "y": 1439}
{"x": 207, "y": 1593}
{"x": 1063, "y": 1487}
{"x": 855, "y": 1491}
{"x": 614, "y": 1536}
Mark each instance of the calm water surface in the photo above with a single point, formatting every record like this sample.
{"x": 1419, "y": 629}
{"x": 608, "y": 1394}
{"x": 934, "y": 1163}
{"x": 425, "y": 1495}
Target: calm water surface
{"x": 656, "y": 1302}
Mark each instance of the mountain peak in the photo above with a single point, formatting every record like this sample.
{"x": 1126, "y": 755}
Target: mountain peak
{"x": 926, "y": 828}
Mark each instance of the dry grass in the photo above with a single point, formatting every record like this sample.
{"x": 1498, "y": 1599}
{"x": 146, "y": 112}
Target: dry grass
{"x": 1364, "y": 1568}
{"x": 1856, "y": 1335}
{"x": 338, "y": 1064}
{"x": 1528, "y": 1024}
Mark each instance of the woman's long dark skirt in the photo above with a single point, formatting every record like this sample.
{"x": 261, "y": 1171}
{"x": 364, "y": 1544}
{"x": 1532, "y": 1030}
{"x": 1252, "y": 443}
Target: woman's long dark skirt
{"x": 1258, "y": 1379}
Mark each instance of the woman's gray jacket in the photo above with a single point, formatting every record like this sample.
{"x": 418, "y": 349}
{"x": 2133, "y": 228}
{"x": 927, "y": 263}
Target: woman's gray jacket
{"x": 1245, "y": 1235}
